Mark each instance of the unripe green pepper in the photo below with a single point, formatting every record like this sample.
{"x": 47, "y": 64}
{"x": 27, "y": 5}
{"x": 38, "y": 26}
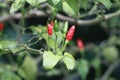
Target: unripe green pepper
{"x": 56, "y": 28}
{"x": 65, "y": 27}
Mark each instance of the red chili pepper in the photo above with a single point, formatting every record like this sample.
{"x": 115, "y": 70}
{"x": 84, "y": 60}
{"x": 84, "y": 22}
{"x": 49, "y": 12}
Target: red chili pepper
{"x": 70, "y": 33}
{"x": 50, "y": 29}
{"x": 80, "y": 44}
{"x": 1, "y": 26}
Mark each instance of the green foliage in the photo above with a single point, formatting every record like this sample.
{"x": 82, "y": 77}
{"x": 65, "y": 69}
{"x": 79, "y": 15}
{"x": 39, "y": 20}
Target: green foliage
{"x": 57, "y": 4}
{"x": 9, "y": 75}
{"x": 69, "y": 60}
{"x": 16, "y": 5}
{"x": 6, "y": 46}
{"x": 28, "y": 69}
{"x": 70, "y": 9}
{"x": 73, "y": 4}
{"x": 50, "y": 59}
{"x": 96, "y": 63}
{"x": 41, "y": 1}
{"x": 67, "y": 9}
{"x": 22, "y": 73}
{"x": 110, "y": 53}
{"x": 83, "y": 68}
{"x": 106, "y": 3}
{"x": 32, "y": 2}
{"x": 54, "y": 71}
{"x": 83, "y": 3}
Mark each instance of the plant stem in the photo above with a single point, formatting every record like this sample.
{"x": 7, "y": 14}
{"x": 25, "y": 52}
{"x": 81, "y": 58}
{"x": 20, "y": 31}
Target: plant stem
{"x": 26, "y": 48}
{"x": 63, "y": 48}
{"x": 110, "y": 70}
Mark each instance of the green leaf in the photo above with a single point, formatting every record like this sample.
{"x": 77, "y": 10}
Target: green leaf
{"x": 16, "y": 5}
{"x": 106, "y": 3}
{"x": 69, "y": 60}
{"x": 73, "y": 4}
{"x": 22, "y": 73}
{"x": 58, "y": 51}
{"x": 68, "y": 10}
{"x": 50, "y": 40}
{"x": 50, "y": 59}
{"x": 38, "y": 29}
{"x": 83, "y": 68}
{"x": 7, "y": 45}
{"x": 41, "y": 1}
{"x": 56, "y": 4}
{"x": 32, "y": 2}
{"x": 30, "y": 68}
{"x": 53, "y": 72}
{"x": 9, "y": 75}
{"x": 96, "y": 64}
{"x": 83, "y": 3}
{"x": 110, "y": 53}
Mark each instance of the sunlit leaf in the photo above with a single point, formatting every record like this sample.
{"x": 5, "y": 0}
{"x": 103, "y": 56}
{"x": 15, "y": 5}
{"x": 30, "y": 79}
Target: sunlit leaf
{"x": 50, "y": 59}
{"x": 56, "y": 4}
{"x": 73, "y": 4}
{"x": 32, "y": 2}
{"x": 69, "y": 60}
{"x": 16, "y": 5}
{"x": 41, "y": 1}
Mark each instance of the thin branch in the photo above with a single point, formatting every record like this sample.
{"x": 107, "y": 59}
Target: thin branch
{"x": 39, "y": 13}
{"x": 26, "y": 48}
{"x": 110, "y": 70}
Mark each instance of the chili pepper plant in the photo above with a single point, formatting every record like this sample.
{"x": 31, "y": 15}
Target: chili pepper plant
{"x": 59, "y": 39}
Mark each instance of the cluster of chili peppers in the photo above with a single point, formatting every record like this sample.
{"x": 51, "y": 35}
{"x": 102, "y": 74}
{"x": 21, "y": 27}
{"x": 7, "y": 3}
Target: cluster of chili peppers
{"x": 69, "y": 34}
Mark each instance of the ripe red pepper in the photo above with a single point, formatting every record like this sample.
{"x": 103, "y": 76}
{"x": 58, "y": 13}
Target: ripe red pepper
{"x": 80, "y": 44}
{"x": 1, "y": 26}
{"x": 50, "y": 29}
{"x": 70, "y": 33}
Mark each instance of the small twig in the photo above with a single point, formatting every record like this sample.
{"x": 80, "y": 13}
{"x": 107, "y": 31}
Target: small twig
{"x": 34, "y": 50}
{"x": 110, "y": 70}
{"x": 26, "y": 48}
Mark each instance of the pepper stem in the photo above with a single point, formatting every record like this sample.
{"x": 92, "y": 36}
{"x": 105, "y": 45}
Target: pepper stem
{"x": 66, "y": 42}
